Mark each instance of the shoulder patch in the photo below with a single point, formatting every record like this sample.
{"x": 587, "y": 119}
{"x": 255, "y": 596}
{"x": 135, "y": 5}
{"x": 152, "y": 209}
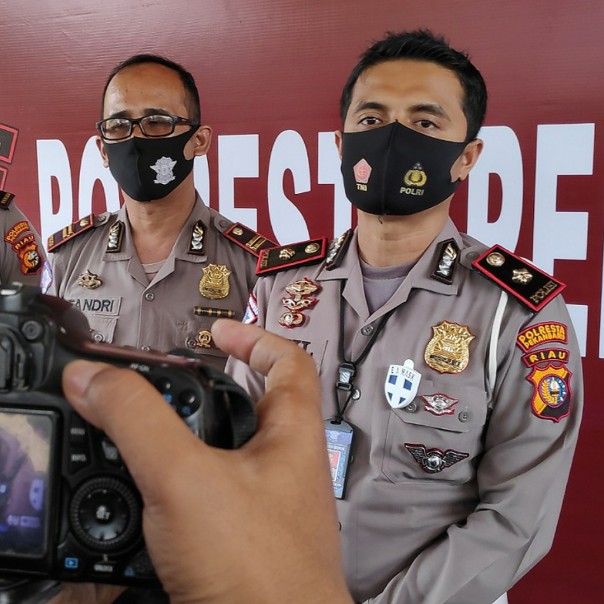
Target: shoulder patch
{"x": 6, "y": 199}
{"x": 276, "y": 259}
{"x": 529, "y": 284}
{"x": 248, "y": 239}
{"x": 69, "y": 232}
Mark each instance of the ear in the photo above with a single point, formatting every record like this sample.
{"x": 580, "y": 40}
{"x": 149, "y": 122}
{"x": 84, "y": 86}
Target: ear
{"x": 202, "y": 140}
{"x": 467, "y": 160}
{"x": 101, "y": 147}
{"x": 338, "y": 141}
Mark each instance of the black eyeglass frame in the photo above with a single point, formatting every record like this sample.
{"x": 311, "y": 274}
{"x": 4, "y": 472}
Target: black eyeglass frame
{"x": 176, "y": 120}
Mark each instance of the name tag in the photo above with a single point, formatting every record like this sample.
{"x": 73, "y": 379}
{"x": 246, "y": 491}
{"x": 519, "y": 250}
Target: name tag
{"x": 99, "y": 306}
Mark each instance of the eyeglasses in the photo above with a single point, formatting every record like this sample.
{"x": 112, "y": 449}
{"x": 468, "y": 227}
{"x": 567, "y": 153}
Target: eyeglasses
{"x": 119, "y": 128}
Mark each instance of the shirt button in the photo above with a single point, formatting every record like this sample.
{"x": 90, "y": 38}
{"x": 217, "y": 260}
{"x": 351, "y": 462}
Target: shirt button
{"x": 150, "y": 296}
{"x": 145, "y": 348}
{"x": 98, "y": 337}
{"x": 411, "y": 408}
{"x": 463, "y": 416}
{"x": 367, "y": 330}
{"x": 356, "y": 394}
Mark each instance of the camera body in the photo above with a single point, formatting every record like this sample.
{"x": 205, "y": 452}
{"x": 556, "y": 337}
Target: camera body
{"x": 69, "y": 509}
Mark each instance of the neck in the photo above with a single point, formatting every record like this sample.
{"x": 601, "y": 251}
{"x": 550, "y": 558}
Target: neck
{"x": 156, "y": 225}
{"x": 393, "y": 240}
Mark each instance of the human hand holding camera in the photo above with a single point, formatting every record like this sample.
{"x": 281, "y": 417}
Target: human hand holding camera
{"x": 254, "y": 524}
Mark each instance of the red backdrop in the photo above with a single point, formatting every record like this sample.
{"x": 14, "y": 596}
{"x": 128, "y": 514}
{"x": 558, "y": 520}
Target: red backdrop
{"x": 270, "y": 75}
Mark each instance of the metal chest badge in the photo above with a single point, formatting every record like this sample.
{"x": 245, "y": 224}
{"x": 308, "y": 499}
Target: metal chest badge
{"x": 300, "y": 299}
{"x": 214, "y": 283}
{"x": 449, "y": 349}
{"x": 89, "y": 280}
{"x": 401, "y": 384}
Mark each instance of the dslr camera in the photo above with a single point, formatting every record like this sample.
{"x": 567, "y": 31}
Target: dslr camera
{"x": 69, "y": 509}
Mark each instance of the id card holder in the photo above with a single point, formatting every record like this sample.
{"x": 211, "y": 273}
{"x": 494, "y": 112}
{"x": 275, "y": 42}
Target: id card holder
{"x": 339, "y": 443}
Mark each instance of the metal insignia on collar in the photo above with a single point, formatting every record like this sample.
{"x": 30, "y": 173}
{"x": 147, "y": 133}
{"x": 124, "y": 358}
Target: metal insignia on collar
{"x": 521, "y": 275}
{"x": 434, "y": 460}
{"x": 439, "y": 404}
{"x": 449, "y": 349}
{"x": 447, "y": 261}
{"x": 337, "y": 249}
{"x": 116, "y": 234}
{"x": 197, "y": 239}
{"x": 89, "y": 280}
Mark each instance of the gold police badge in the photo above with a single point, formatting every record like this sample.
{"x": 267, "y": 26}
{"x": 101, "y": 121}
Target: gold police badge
{"x": 449, "y": 349}
{"x": 215, "y": 282}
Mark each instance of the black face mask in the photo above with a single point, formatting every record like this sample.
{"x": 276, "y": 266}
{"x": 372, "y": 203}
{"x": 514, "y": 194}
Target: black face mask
{"x": 149, "y": 168}
{"x": 396, "y": 170}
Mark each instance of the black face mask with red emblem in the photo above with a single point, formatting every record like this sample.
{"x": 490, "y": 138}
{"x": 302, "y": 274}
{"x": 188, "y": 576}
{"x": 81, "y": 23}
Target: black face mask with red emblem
{"x": 396, "y": 170}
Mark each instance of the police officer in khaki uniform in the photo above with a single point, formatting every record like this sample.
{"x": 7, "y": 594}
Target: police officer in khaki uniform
{"x": 22, "y": 256}
{"x": 157, "y": 273}
{"x": 451, "y": 375}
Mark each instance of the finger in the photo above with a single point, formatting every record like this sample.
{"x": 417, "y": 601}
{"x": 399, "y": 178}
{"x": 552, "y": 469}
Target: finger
{"x": 293, "y": 392}
{"x": 145, "y": 429}
{"x": 282, "y": 361}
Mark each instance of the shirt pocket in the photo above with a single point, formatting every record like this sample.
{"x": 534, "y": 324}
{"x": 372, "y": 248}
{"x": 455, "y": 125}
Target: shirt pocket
{"x": 196, "y": 337}
{"x": 102, "y": 328}
{"x": 437, "y": 437}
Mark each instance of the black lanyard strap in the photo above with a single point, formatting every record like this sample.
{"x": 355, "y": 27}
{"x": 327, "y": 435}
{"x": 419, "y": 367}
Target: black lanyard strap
{"x": 347, "y": 368}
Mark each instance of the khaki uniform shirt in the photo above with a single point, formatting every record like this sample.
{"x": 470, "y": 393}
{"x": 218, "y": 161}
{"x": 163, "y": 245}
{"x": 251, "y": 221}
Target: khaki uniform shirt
{"x": 454, "y": 497}
{"x": 123, "y": 308}
{"x": 22, "y": 256}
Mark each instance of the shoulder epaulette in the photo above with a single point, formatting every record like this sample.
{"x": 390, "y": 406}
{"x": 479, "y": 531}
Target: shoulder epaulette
{"x": 248, "y": 239}
{"x": 69, "y": 232}
{"x": 280, "y": 258}
{"x": 6, "y": 199}
{"x": 530, "y": 285}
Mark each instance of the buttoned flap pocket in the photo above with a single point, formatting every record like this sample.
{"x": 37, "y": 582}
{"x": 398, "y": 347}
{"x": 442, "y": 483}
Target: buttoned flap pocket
{"x": 437, "y": 436}
{"x": 102, "y": 328}
{"x": 196, "y": 337}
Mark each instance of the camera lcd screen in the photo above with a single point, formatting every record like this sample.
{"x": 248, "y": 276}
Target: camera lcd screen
{"x": 26, "y": 439}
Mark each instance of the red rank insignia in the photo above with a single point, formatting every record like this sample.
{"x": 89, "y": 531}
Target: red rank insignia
{"x": 552, "y": 396}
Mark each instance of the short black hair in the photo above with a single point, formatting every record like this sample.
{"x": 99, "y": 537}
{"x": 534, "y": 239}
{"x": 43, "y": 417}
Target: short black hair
{"x": 192, "y": 100}
{"x": 423, "y": 45}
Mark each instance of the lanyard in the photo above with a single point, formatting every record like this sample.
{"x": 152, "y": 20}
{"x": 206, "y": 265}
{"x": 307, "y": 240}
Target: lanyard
{"x": 348, "y": 367}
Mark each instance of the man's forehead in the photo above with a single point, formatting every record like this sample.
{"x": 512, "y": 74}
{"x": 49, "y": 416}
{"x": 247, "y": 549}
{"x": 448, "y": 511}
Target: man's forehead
{"x": 139, "y": 84}
{"x": 405, "y": 78}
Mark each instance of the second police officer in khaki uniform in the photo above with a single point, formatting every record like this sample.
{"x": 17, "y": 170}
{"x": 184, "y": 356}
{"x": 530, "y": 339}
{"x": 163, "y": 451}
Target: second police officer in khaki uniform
{"x": 452, "y": 386}
{"x": 157, "y": 273}
{"x": 22, "y": 257}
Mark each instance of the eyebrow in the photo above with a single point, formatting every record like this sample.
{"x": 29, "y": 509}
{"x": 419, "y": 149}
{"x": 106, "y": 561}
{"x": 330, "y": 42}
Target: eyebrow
{"x": 431, "y": 108}
{"x": 147, "y": 111}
